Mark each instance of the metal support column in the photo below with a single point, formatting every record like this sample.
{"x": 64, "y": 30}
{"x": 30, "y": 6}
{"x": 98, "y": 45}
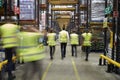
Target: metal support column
{"x": 78, "y": 13}
{"x": 105, "y": 37}
{"x": 78, "y": 19}
{"x": 18, "y": 5}
{"x": 38, "y": 10}
{"x": 47, "y": 14}
{"x": 0, "y": 75}
{"x": 35, "y": 12}
{"x": 117, "y": 70}
{"x": 10, "y": 5}
{"x": 114, "y": 30}
{"x": 90, "y": 11}
{"x": 5, "y": 9}
{"x": 51, "y": 17}
{"x": 74, "y": 19}
{"x": 87, "y": 25}
{"x": 54, "y": 20}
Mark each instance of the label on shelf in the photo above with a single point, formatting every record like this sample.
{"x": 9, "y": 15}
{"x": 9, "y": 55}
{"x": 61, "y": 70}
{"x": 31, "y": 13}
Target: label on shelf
{"x": 27, "y": 9}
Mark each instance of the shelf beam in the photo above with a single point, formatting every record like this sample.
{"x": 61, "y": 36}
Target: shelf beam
{"x": 62, "y": 9}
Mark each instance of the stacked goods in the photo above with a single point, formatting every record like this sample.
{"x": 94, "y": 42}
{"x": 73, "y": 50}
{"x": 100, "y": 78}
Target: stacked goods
{"x": 97, "y": 45}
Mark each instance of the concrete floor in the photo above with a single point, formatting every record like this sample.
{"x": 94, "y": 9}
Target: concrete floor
{"x": 71, "y": 68}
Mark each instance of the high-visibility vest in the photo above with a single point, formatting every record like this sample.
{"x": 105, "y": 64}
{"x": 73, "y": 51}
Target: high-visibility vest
{"x": 63, "y": 36}
{"x": 111, "y": 39}
{"x": 87, "y": 39}
{"x": 51, "y": 39}
{"x": 29, "y": 48}
{"x": 8, "y": 34}
{"x": 74, "y": 39}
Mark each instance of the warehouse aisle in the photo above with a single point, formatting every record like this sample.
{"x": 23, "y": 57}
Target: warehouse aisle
{"x": 71, "y": 68}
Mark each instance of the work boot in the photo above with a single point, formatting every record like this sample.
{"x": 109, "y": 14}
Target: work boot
{"x": 86, "y": 59}
{"x": 72, "y": 54}
{"x": 62, "y": 58}
{"x": 11, "y": 78}
{"x": 51, "y": 58}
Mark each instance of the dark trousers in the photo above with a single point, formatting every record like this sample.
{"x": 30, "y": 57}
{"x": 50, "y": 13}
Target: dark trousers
{"x": 52, "y": 51}
{"x": 63, "y": 49}
{"x": 87, "y": 51}
{"x": 32, "y": 71}
{"x": 10, "y": 65}
{"x": 74, "y": 50}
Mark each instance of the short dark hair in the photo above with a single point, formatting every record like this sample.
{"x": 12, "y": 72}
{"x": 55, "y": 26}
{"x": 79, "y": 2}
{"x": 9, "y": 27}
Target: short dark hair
{"x": 86, "y": 30}
{"x": 63, "y": 27}
{"x": 51, "y": 30}
{"x": 73, "y": 31}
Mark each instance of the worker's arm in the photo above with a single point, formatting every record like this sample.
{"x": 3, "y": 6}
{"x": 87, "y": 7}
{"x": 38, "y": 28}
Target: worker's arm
{"x": 68, "y": 36}
{"x": 82, "y": 38}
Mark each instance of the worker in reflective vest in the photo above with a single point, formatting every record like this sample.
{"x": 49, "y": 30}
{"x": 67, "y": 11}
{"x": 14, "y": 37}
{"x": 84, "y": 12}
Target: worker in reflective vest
{"x": 74, "y": 42}
{"x": 51, "y": 42}
{"x": 31, "y": 52}
{"x": 87, "y": 36}
{"x": 63, "y": 38}
{"x": 8, "y": 34}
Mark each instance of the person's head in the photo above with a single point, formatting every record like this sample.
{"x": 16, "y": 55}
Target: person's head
{"x": 51, "y": 30}
{"x": 87, "y": 30}
{"x": 73, "y": 31}
{"x": 63, "y": 28}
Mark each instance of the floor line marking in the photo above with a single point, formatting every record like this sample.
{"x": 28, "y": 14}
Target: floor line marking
{"x": 75, "y": 69}
{"x": 46, "y": 70}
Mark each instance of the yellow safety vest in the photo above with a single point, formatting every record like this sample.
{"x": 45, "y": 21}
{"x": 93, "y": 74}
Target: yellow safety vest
{"x": 63, "y": 36}
{"x": 74, "y": 39}
{"x": 8, "y": 33}
{"x": 111, "y": 39}
{"x": 51, "y": 39}
{"x": 29, "y": 48}
{"x": 87, "y": 39}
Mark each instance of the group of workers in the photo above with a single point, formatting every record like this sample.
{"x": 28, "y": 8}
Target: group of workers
{"x": 24, "y": 43}
{"x": 73, "y": 38}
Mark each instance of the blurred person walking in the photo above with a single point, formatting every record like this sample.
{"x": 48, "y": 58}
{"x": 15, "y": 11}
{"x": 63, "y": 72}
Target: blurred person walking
{"x": 87, "y": 36}
{"x": 74, "y": 41}
{"x": 8, "y": 33}
{"x": 51, "y": 42}
{"x": 63, "y": 38}
{"x": 31, "y": 53}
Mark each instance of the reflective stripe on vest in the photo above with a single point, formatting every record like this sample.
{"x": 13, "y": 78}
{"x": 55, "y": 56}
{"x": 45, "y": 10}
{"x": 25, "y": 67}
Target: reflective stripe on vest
{"x": 29, "y": 49}
{"x": 63, "y": 37}
{"x": 8, "y": 34}
{"x": 8, "y": 37}
{"x": 87, "y": 39}
{"x": 51, "y": 39}
{"x": 28, "y": 38}
{"x": 87, "y": 43}
{"x": 32, "y": 57}
{"x": 74, "y": 39}
{"x": 12, "y": 44}
{"x": 9, "y": 41}
{"x": 23, "y": 47}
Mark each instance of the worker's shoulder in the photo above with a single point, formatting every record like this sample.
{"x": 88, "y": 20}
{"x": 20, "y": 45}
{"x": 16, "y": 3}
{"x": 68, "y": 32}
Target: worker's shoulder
{"x": 74, "y": 34}
{"x": 90, "y": 33}
{"x": 8, "y": 25}
{"x": 64, "y": 31}
{"x": 83, "y": 33}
